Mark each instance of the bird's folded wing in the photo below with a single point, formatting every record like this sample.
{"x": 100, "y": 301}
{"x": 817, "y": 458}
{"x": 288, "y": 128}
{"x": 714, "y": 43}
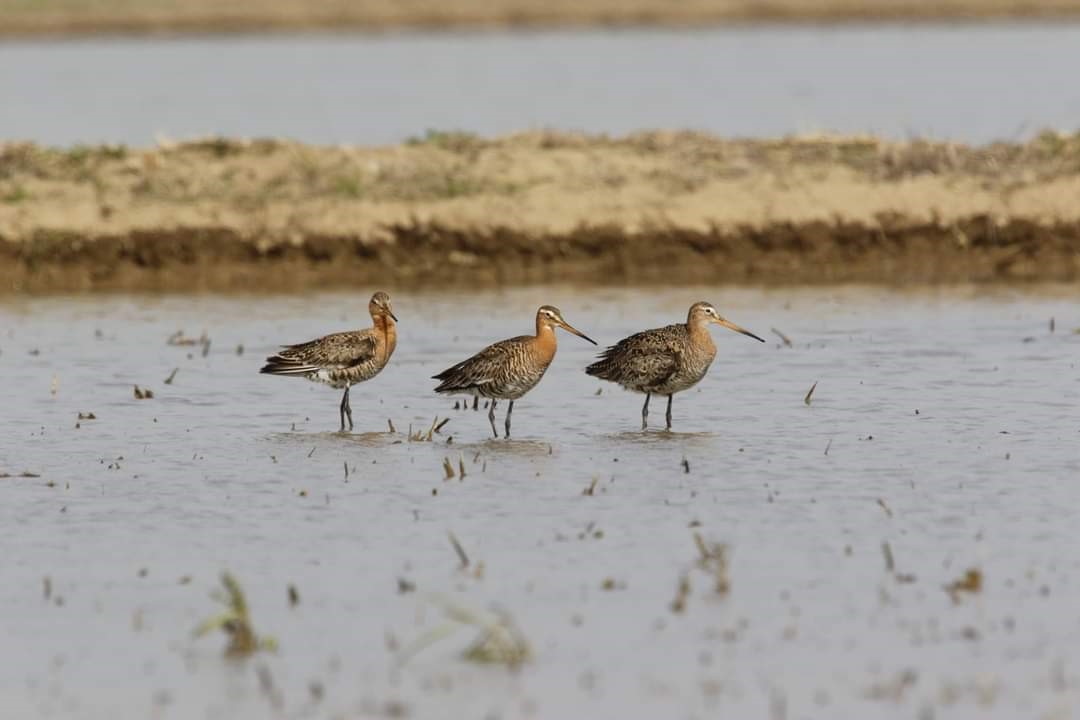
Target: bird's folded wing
{"x": 339, "y": 350}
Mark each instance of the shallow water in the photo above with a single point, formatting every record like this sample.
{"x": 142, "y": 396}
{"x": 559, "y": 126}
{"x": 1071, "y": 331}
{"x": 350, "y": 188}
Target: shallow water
{"x": 973, "y": 83}
{"x": 944, "y": 424}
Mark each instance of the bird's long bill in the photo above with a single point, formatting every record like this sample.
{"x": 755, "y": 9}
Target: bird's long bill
{"x": 732, "y": 326}
{"x": 392, "y": 315}
{"x": 570, "y": 328}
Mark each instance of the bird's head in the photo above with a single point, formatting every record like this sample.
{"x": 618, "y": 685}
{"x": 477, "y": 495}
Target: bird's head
{"x": 703, "y": 313}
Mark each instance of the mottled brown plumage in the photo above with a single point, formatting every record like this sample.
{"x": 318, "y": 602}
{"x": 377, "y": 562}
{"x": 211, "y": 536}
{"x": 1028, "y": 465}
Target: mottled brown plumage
{"x": 343, "y": 359}
{"x": 510, "y": 368}
{"x": 665, "y": 360}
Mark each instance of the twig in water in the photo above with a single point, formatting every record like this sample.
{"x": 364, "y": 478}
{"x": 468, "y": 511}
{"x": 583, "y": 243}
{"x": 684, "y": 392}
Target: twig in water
{"x": 266, "y": 685}
{"x": 390, "y": 423}
{"x": 784, "y": 338}
{"x": 714, "y": 560}
{"x": 811, "y": 393}
{"x": 886, "y": 550}
{"x": 970, "y": 582}
{"x": 884, "y": 507}
{"x": 441, "y": 425}
{"x": 459, "y": 550}
{"x": 448, "y": 468}
{"x": 682, "y": 594}
{"x": 172, "y": 375}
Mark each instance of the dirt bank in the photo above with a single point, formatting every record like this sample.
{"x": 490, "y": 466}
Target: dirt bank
{"x": 453, "y": 209}
{"x": 24, "y": 18}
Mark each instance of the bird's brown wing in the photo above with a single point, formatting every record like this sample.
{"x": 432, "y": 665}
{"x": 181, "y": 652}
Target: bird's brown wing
{"x": 340, "y": 350}
{"x": 482, "y": 368}
{"x": 641, "y": 361}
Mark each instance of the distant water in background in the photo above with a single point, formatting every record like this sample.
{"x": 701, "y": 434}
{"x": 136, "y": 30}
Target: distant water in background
{"x": 973, "y": 83}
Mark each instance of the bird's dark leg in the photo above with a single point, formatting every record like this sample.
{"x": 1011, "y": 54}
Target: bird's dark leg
{"x": 509, "y": 410}
{"x": 475, "y": 402}
{"x": 645, "y": 412}
{"x": 668, "y": 416}
{"x": 344, "y": 407}
{"x": 491, "y": 418}
{"x": 348, "y": 406}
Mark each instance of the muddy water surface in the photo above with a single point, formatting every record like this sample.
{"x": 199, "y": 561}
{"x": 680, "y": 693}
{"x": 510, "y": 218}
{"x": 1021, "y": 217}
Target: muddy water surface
{"x": 943, "y": 424}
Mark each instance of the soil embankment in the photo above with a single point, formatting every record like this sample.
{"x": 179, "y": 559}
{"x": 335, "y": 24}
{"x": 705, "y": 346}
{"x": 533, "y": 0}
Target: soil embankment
{"x": 452, "y": 209}
{"x": 76, "y": 17}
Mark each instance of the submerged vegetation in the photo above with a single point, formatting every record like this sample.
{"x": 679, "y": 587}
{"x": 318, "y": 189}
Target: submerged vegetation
{"x": 235, "y": 621}
{"x": 498, "y": 640}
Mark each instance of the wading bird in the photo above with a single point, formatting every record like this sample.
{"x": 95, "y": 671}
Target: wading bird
{"x": 508, "y": 369}
{"x": 665, "y": 360}
{"x": 343, "y": 359}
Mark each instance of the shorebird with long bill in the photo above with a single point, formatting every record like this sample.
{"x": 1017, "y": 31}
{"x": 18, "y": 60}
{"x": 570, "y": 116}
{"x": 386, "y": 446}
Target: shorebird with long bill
{"x": 665, "y": 360}
{"x": 343, "y": 359}
{"x": 510, "y": 368}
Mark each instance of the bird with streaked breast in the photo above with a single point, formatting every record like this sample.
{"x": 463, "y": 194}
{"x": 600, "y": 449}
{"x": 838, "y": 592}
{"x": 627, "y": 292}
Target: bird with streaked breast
{"x": 508, "y": 369}
{"x": 664, "y": 360}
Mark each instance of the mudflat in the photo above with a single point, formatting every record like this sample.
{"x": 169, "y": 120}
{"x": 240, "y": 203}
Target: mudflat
{"x": 19, "y": 17}
{"x": 453, "y": 209}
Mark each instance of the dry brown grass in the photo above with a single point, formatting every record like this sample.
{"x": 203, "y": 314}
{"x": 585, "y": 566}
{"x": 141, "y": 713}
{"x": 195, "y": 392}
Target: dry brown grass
{"x": 141, "y": 16}
{"x": 536, "y": 182}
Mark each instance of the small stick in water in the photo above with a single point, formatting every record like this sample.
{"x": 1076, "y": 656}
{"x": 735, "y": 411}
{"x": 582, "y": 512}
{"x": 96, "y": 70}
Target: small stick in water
{"x": 448, "y": 468}
{"x": 390, "y": 423}
{"x": 784, "y": 338}
{"x": 811, "y": 393}
{"x": 459, "y": 550}
{"x": 168, "y": 380}
{"x": 886, "y": 550}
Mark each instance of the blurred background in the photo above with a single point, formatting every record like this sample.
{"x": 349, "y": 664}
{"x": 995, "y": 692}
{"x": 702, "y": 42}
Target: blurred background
{"x": 379, "y": 72}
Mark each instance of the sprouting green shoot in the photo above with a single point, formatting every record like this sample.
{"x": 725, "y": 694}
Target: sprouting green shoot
{"x": 498, "y": 642}
{"x": 235, "y": 622}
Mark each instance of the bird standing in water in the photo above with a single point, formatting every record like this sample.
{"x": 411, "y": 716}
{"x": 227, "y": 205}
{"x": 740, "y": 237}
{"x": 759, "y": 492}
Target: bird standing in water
{"x": 508, "y": 369}
{"x": 665, "y": 360}
{"x": 343, "y": 359}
